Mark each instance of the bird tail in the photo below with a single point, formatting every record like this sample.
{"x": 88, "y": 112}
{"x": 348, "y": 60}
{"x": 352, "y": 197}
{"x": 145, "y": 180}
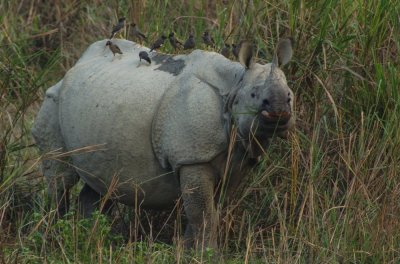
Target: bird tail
{"x": 142, "y": 35}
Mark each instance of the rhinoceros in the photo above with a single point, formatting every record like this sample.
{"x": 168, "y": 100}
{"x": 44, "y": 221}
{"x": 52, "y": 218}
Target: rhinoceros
{"x": 174, "y": 129}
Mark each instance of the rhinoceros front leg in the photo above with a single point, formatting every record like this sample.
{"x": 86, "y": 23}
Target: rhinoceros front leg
{"x": 197, "y": 186}
{"x": 89, "y": 201}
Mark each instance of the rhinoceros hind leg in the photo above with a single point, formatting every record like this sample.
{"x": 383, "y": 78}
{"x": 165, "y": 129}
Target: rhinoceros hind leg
{"x": 59, "y": 174}
{"x": 197, "y": 186}
{"x": 89, "y": 201}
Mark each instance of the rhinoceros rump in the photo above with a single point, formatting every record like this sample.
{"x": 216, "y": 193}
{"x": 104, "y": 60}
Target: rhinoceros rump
{"x": 164, "y": 129}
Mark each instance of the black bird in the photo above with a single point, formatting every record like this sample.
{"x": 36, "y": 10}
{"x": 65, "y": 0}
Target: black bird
{"x": 143, "y": 55}
{"x": 235, "y": 50}
{"x": 226, "y": 50}
{"x": 113, "y": 47}
{"x": 174, "y": 42}
{"x": 207, "y": 39}
{"x": 159, "y": 43}
{"x": 118, "y": 27}
{"x": 136, "y": 32}
{"x": 189, "y": 43}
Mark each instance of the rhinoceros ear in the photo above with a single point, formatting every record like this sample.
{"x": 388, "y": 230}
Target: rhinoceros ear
{"x": 283, "y": 52}
{"x": 246, "y": 53}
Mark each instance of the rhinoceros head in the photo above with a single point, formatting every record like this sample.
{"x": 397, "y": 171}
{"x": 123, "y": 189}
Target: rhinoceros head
{"x": 262, "y": 105}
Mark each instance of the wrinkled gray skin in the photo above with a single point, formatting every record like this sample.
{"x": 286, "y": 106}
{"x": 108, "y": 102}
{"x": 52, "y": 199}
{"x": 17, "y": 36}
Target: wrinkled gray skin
{"x": 161, "y": 131}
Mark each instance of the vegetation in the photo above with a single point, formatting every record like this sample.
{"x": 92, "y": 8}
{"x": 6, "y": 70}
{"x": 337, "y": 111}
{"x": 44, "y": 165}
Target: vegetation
{"x": 330, "y": 194}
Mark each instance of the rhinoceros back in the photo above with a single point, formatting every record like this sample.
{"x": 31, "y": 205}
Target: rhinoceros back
{"x": 109, "y": 103}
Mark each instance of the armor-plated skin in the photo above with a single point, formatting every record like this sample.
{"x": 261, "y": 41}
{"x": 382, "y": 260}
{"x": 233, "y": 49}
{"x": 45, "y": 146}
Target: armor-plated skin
{"x": 162, "y": 131}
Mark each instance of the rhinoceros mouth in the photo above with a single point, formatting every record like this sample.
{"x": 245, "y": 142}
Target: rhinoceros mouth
{"x": 261, "y": 128}
{"x": 274, "y": 119}
{"x": 266, "y": 124}
{"x": 270, "y": 124}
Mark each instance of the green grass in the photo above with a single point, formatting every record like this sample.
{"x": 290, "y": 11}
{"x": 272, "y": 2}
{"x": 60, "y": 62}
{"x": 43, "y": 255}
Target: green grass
{"x": 330, "y": 194}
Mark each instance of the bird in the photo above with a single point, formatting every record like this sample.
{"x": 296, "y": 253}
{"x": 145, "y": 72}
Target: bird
{"x": 118, "y": 27}
{"x": 136, "y": 32}
{"x": 158, "y": 43}
{"x": 143, "y": 55}
{"x": 189, "y": 43}
{"x": 235, "y": 50}
{"x": 207, "y": 39}
{"x": 113, "y": 47}
{"x": 174, "y": 42}
{"x": 226, "y": 50}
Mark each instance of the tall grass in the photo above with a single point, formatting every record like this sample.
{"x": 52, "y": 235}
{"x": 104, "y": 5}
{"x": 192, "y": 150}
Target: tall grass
{"x": 330, "y": 194}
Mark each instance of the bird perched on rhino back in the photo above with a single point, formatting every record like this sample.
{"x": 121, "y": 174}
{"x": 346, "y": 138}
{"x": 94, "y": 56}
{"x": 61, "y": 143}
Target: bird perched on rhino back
{"x": 174, "y": 42}
{"x": 113, "y": 47}
{"x": 235, "y": 50}
{"x": 136, "y": 32}
{"x": 226, "y": 50}
{"x": 118, "y": 27}
{"x": 158, "y": 43}
{"x": 207, "y": 39}
{"x": 143, "y": 55}
{"x": 189, "y": 43}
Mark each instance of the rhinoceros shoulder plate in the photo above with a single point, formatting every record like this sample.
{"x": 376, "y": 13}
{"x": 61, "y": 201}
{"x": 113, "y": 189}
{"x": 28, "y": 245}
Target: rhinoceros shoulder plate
{"x": 188, "y": 127}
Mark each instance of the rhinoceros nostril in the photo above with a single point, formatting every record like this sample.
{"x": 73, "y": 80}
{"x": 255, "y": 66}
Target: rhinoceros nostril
{"x": 265, "y": 102}
{"x": 289, "y": 99}
{"x": 253, "y": 95}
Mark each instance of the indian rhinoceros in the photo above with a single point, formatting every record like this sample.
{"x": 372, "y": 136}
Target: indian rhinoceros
{"x": 175, "y": 128}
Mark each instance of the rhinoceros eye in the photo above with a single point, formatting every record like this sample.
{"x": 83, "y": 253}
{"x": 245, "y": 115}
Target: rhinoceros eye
{"x": 253, "y": 95}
